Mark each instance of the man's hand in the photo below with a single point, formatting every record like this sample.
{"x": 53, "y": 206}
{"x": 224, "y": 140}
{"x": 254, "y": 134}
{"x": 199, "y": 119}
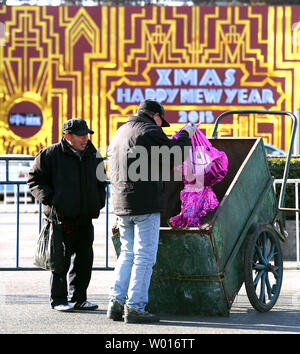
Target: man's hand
{"x": 190, "y": 128}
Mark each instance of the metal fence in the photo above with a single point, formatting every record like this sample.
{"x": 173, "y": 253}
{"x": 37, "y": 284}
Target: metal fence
{"x": 18, "y": 184}
{"x": 16, "y": 200}
{"x": 296, "y": 184}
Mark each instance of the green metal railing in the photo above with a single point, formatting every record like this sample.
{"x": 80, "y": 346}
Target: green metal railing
{"x": 291, "y": 144}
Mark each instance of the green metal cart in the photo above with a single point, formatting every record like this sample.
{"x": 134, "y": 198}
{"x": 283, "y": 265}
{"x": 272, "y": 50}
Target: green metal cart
{"x": 199, "y": 271}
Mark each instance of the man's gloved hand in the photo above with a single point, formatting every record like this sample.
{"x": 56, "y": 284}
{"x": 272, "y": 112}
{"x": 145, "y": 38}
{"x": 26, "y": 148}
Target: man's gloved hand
{"x": 190, "y": 128}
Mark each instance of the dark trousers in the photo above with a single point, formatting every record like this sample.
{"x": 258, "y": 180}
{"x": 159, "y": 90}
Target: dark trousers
{"x": 72, "y": 284}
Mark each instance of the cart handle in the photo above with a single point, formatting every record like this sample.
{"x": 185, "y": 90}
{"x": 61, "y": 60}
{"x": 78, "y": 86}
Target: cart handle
{"x": 288, "y": 159}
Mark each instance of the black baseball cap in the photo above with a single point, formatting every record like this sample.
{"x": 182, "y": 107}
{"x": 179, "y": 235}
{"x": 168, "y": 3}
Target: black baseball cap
{"x": 154, "y": 107}
{"x": 76, "y": 126}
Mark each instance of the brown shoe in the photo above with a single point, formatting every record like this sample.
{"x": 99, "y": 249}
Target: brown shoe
{"x": 134, "y": 316}
{"x": 115, "y": 310}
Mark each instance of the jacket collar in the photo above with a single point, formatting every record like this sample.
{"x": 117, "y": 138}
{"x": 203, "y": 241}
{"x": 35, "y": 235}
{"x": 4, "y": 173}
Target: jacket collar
{"x": 142, "y": 118}
{"x": 90, "y": 148}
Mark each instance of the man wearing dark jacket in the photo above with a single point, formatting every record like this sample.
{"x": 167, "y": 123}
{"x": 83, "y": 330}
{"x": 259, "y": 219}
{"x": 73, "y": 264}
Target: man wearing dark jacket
{"x": 138, "y": 198}
{"x": 63, "y": 178}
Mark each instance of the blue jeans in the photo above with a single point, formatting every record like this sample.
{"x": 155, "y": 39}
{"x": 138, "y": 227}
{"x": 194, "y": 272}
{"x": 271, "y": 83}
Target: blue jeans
{"x": 139, "y": 236}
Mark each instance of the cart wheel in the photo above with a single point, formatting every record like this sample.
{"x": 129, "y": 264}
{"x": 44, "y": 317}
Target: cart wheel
{"x": 263, "y": 269}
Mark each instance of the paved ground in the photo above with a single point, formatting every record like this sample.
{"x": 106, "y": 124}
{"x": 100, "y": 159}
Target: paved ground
{"x": 24, "y": 305}
{"x": 24, "y": 309}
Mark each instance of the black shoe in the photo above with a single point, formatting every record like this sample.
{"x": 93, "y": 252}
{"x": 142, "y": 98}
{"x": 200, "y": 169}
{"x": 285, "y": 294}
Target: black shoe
{"x": 115, "y": 310}
{"x": 134, "y": 316}
{"x": 85, "y": 305}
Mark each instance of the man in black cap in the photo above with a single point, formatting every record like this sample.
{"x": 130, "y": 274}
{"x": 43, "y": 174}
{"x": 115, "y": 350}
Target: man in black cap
{"x": 63, "y": 178}
{"x": 138, "y": 203}
{"x": 153, "y": 109}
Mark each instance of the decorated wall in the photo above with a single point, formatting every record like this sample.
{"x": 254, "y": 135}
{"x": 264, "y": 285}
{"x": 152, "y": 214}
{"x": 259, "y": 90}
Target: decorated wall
{"x": 98, "y": 63}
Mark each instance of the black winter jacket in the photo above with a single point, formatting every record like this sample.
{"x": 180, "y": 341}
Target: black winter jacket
{"x": 60, "y": 179}
{"x": 133, "y": 196}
